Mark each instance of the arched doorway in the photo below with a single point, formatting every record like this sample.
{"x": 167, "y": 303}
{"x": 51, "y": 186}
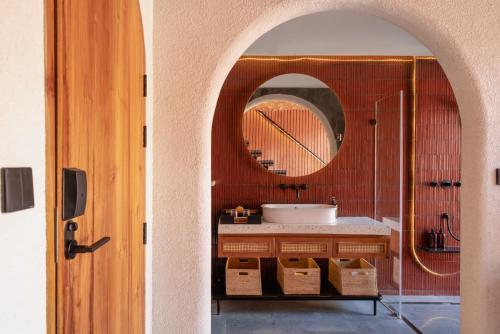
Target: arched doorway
{"x": 425, "y": 23}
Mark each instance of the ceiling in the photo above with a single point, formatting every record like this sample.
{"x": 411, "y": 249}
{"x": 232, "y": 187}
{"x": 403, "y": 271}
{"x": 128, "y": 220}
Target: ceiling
{"x": 337, "y": 33}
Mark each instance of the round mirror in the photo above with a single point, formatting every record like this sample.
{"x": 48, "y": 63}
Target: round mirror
{"x": 293, "y": 125}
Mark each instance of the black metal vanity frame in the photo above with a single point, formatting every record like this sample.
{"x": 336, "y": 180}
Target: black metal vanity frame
{"x": 273, "y": 292}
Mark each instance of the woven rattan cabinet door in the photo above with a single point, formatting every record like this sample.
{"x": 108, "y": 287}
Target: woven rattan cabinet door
{"x": 291, "y": 247}
{"x": 246, "y": 246}
{"x": 361, "y": 247}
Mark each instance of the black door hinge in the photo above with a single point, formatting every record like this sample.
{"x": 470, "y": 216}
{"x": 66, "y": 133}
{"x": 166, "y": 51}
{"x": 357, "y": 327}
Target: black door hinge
{"x": 144, "y": 136}
{"x": 56, "y": 236}
{"x": 145, "y": 85}
{"x": 145, "y": 233}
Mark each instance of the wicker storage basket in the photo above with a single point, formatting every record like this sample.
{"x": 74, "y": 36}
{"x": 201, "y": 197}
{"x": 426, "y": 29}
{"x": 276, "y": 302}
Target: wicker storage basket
{"x": 353, "y": 278}
{"x": 299, "y": 276}
{"x": 243, "y": 276}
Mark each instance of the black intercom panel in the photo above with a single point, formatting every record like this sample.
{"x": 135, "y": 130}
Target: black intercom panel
{"x": 17, "y": 189}
{"x": 74, "y": 193}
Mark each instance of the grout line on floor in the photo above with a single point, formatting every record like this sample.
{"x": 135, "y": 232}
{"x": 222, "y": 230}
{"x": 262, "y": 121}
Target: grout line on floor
{"x": 411, "y": 325}
{"x": 402, "y": 317}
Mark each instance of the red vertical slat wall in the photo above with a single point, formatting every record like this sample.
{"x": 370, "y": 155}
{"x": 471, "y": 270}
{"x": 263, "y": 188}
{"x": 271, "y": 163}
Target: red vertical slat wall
{"x": 437, "y": 158}
{"x": 358, "y": 83}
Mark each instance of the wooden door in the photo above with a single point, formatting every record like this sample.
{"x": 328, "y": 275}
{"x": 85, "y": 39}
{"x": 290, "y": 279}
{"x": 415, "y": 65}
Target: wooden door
{"x": 100, "y": 111}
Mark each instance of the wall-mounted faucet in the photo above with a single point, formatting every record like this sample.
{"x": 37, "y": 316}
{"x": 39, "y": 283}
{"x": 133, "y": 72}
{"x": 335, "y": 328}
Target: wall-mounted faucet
{"x": 446, "y": 184}
{"x": 296, "y": 187}
{"x": 284, "y": 186}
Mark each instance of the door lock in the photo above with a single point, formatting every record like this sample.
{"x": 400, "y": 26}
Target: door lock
{"x": 71, "y": 246}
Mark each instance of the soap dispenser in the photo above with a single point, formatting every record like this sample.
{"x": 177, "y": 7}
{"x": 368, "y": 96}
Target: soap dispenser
{"x": 441, "y": 239}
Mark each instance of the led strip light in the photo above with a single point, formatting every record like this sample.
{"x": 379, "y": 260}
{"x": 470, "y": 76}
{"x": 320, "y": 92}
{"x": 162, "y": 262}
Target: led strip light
{"x": 411, "y": 200}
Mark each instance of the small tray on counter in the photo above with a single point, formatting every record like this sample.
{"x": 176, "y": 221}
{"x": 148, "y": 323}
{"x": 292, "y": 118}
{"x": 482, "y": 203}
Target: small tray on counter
{"x": 228, "y": 211}
{"x": 252, "y": 219}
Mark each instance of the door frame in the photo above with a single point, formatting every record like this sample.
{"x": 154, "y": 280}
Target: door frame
{"x": 50, "y": 64}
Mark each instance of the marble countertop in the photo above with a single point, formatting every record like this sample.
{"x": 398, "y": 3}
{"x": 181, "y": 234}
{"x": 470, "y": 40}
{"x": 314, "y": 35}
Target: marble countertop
{"x": 345, "y": 225}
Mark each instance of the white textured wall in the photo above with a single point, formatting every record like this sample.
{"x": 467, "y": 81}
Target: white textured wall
{"x": 197, "y": 42}
{"x": 22, "y": 143}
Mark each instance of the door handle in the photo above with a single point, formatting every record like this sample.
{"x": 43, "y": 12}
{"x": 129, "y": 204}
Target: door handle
{"x": 72, "y": 248}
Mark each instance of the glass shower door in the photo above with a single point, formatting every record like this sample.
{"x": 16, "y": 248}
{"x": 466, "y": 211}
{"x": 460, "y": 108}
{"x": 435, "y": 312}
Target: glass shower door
{"x": 388, "y": 193}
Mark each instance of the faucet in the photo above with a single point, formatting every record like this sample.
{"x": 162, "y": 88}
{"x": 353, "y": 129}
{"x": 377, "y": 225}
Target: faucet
{"x": 298, "y": 188}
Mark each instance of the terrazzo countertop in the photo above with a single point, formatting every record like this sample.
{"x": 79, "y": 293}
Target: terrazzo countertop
{"x": 392, "y": 222}
{"x": 344, "y": 225}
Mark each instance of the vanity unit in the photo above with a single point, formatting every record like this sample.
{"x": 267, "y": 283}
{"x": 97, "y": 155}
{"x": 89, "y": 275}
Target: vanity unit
{"x": 349, "y": 237}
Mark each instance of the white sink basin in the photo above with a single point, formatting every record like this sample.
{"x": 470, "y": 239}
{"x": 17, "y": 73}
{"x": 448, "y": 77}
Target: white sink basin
{"x": 299, "y": 213}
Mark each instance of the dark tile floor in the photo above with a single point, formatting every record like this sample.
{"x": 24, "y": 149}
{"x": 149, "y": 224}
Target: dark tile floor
{"x": 290, "y": 317}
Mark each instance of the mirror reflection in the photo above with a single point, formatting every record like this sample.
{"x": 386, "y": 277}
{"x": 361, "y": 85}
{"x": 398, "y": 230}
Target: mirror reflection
{"x": 293, "y": 125}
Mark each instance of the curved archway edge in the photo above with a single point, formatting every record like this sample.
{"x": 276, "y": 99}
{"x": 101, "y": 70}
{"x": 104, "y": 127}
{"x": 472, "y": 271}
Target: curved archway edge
{"x": 221, "y": 32}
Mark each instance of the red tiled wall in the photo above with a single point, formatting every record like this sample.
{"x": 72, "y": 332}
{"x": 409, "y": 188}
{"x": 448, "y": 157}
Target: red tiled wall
{"x": 350, "y": 175}
{"x": 437, "y": 158}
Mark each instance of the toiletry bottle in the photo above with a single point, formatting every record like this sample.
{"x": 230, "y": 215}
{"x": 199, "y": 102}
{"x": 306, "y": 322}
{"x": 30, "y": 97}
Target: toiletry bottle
{"x": 335, "y": 204}
{"x": 440, "y": 239}
{"x": 432, "y": 240}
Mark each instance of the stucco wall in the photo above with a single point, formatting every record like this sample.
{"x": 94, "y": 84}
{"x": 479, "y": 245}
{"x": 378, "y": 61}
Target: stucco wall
{"x": 196, "y": 44}
{"x": 22, "y": 140}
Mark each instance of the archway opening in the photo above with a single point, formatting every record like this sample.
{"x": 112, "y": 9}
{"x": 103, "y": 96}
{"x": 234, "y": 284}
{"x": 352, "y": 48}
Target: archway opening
{"x": 362, "y": 80}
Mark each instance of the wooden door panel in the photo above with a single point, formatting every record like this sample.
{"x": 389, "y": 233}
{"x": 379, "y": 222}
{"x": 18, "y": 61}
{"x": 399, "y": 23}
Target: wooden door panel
{"x": 101, "y": 114}
{"x": 75, "y": 122}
